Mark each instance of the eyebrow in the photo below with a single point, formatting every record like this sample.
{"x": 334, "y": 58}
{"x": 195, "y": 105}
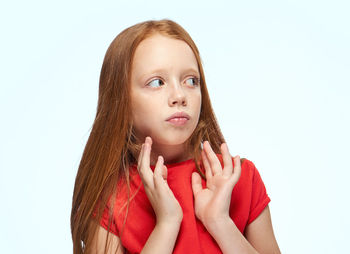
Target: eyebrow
{"x": 161, "y": 70}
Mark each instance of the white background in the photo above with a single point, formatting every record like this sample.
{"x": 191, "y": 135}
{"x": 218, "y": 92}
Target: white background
{"x": 278, "y": 76}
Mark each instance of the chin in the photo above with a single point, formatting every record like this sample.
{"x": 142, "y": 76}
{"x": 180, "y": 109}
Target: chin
{"x": 172, "y": 140}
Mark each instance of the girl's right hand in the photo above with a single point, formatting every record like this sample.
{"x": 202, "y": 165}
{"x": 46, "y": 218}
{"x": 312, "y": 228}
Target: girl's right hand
{"x": 162, "y": 199}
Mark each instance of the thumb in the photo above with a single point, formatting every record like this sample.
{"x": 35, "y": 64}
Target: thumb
{"x": 196, "y": 183}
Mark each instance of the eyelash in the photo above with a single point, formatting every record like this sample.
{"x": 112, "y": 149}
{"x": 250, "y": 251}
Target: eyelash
{"x": 197, "y": 81}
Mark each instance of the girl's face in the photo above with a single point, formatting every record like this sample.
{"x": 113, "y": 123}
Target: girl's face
{"x": 165, "y": 81}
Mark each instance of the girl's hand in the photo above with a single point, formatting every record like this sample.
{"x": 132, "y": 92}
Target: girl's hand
{"x": 213, "y": 202}
{"x": 162, "y": 199}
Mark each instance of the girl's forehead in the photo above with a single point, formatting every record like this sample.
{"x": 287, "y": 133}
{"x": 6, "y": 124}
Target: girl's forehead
{"x": 159, "y": 44}
{"x": 162, "y": 52}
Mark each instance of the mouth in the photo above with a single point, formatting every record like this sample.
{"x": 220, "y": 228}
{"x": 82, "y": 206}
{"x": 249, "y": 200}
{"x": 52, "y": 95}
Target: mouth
{"x": 179, "y": 118}
{"x": 178, "y": 121}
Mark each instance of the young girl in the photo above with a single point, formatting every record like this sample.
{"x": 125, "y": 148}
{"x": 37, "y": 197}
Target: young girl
{"x": 156, "y": 175}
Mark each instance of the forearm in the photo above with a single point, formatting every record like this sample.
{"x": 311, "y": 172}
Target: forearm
{"x": 162, "y": 239}
{"x": 228, "y": 237}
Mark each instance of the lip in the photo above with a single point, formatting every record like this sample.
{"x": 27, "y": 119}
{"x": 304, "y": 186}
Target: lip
{"x": 179, "y": 115}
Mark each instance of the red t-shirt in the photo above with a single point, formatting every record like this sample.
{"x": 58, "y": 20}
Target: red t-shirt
{"x": 248, "y": 200}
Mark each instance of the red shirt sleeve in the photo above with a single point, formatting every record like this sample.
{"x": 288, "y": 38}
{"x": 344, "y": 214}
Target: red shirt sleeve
{"x": 106, "y": 216}
{"x": 259, "y": 199}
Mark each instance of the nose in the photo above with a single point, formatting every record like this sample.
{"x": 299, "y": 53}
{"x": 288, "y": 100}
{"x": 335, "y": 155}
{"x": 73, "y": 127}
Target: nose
{"x": 177, "y": 95}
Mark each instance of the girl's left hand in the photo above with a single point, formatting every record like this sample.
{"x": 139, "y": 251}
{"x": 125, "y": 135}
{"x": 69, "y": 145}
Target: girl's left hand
{"x": 213, "y": 202}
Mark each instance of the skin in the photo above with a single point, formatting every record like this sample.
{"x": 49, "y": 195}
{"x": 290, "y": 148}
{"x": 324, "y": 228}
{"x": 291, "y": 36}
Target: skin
{"x": 211, "y": 205}
{"x": 163, "y": 81}
{"x": 155, "y": 96}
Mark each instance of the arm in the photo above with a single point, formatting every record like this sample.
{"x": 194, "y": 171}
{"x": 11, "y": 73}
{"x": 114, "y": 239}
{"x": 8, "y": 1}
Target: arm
{"x": 167, "y": 209}
{"x": 113, "y": 245}
{"x": 212, "y": 207}
{"x": 259, "y": 235}
{"x": 162, "y": 239}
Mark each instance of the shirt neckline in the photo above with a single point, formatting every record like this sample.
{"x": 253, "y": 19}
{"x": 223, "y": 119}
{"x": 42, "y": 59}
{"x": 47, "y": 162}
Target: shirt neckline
{"x": 174, "y": 164}
{"x": 171, "y": 165}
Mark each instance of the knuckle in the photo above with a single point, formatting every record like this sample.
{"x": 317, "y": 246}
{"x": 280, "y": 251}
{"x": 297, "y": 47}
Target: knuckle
{"x": 141, "y": 171}
{"x": 156, "y": 178}
{"x": 146, "y": 184}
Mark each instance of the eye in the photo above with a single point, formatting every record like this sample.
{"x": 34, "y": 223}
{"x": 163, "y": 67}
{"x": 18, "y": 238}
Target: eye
{"x": 194, "y": 81}
{"x": 155, "y": 82}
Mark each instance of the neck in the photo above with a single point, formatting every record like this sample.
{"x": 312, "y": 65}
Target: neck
{"x": 170, "y": 153}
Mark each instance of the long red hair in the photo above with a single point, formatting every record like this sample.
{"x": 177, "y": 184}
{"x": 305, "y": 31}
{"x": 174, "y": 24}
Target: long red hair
{"x": 112, "y": 146}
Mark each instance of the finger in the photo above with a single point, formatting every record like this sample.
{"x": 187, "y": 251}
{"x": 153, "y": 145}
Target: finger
{"x": 212, "y": 158}
{"x": 145, "y": 170}
{"x": 139, "y": 167}
{"x": 237, "y": 169}
{"x": 147, "y": 153}
{"x": 165, "y": 172}
{"x": 227, "y": 159}
{"x": 196, "y": 183}
{"x": 149, "y": 140}
{"x": 140, "y": 158}
{"x": 208, "y": 173}
{"x": 157, "y": 176}
{"x": 160, "y": 177}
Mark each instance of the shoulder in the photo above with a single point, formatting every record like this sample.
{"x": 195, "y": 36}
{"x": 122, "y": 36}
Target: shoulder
{"x": 250, "y": 174}
{"x": 249, "y": 168}
{"x": 250, "y": 179}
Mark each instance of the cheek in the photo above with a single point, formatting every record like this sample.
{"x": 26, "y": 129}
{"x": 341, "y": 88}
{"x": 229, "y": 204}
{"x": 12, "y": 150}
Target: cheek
{"x": 137, "y": 112}
{"x": 138, "y": 106}
{"x": 145, "y": 114}
{"x": 198, "y": 102}
{"x": 144, "y": 108}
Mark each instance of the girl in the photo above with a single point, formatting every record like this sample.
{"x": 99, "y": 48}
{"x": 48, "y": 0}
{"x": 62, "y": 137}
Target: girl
{"x": 156, "y": 175}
